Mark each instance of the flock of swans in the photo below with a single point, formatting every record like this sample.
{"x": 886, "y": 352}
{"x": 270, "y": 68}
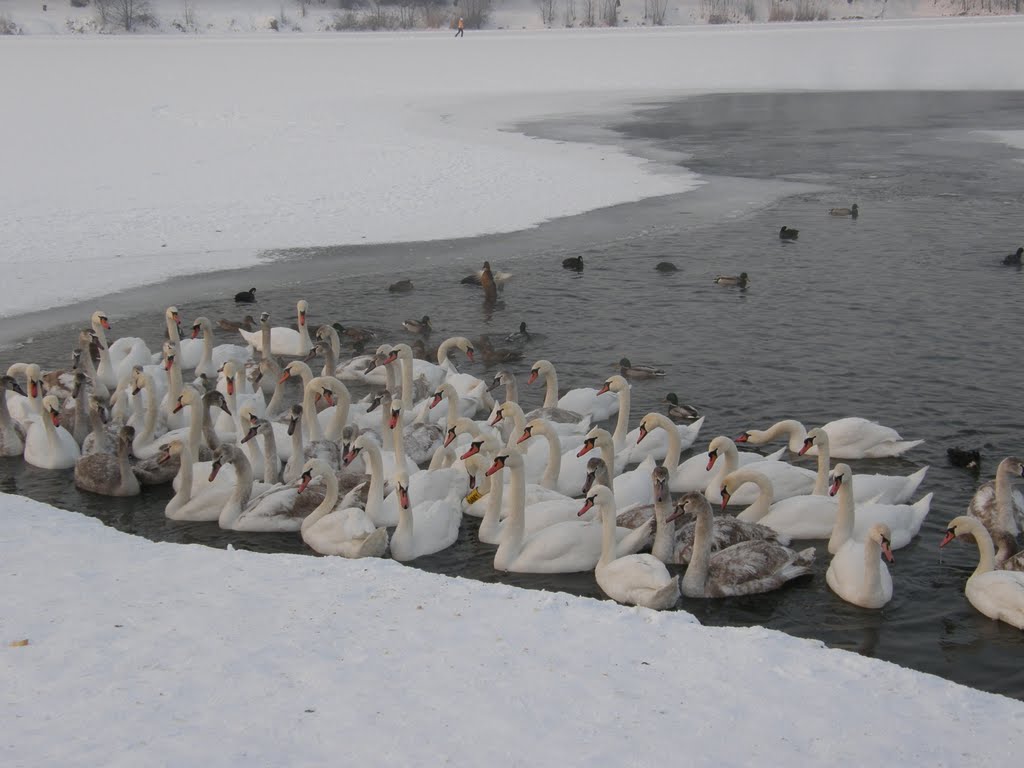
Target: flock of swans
{"x": 251, "y": 436}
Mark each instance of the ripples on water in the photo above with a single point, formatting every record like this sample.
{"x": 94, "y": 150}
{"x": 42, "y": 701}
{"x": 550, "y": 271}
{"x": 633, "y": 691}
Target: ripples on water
{"x": 904, "y": 315}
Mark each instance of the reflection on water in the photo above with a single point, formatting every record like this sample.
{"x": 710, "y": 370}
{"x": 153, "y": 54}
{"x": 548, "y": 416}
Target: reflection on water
{"x": 904, "y": 315}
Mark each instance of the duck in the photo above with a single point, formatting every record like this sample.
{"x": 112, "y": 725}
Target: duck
{"x": 851, "y": 437}
{"x": 430, "y": 527}
{"x": 284, "y": 341}
{"x": 1014, "y": 259}
{"x": 47, "y": 444}
{"x": 637, "y": 446}
{"x": 519, "y": 337}
{"x": 996, "y": 503}
{"x": 630, "y": 371}
{"x": 666, "y": 266}
{"x": 421, "y": 326}
{"x": 746, "y": 568}
{"x": 851, "y": 212}
{"x": 354, "y": 334}
{"x": 574, "y": 263}
{"x": 334, "y": 530}
{"x": 109, "y": 475}
{"x": 891, "y": 489}
{"x": 12, "y": 434}
{"x": 401, "y": 286}
{"x": 741, "y": 280}
{"x": 637, "y": 579}
{"x": 246, "y": 323}
{"x": 585, "y": 401}
{"x": 967, "y": 458}
{"x": 567, "y": 547}
{"x": 246, "y": 297}
{"x": 857, "y": 573}
{"x": 996, "y": 594}
{"x": 679, "y": 411}
{"x": 476, "y": 278}
{"x": 788, "y": 233}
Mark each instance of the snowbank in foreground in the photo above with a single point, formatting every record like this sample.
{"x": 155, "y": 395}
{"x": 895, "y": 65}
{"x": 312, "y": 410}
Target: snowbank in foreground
{"x": 130, "y": 159}
{"x": 143, "y": 653}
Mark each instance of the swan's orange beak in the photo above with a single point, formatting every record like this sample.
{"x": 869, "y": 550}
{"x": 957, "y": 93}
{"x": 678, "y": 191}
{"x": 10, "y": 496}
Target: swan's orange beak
{"x": 887, "y": 550}
{"x": 307, "y": 476}
{"x": 725, "y": 498}
{"x": 474, "y": 449}
{"x": 33, "y": 390}
{"x": 105, "y": 323}
{"x": 349, "y": 455}
{"x": 533, "y": 377}
{"x": 742, "y": 438}
{"x": 390, "y": 358}
{"x": 164, "y": 457}
{"x": 284, "y": 377}
{"x": 712, "y": 458}
{"x": 808, "y": 442}
{"x": 497, "y": 417}
{"x": 55, "y": 418}
{"x": 642, "y": 435}
{"x": 587, "y": 506}
{"x": 450, "y": 438}
{"x": 195, "y": 331}
{"x": 177, "y": 406}
{"x": 499, "y": 464}
{"x": 950, "y": 535}
{"x": 403, "y": 496}
{"x": 604, "y": 389}
{"x": 588, "y": 446}
{"x": 302, "y": 319}
{"x": 835, "y": 486}
{"x": 469, "y": 354}
{"x": 437, "y": 399}
{"x": 393, "y": 422}
{"x": 168, "y": 363}
{"x": 214, "y": 470}
{"x": 527, "y": 434}
{"x": 231, "y": 385}
{"x": 329, "y": 397}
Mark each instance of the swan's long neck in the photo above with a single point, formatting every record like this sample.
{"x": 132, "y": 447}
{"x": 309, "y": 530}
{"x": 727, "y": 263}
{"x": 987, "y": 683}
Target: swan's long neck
{"x": 172, "y": 329}
{"x": 271, "y": 462}
{"x": 184, "y": 494}
{"x": 665, "y": 532}
{"x": 375, "y": 494}
{"x": 622, "y": 421}
{"x": 340, "y": 418}
{"x": 842, "y": 529}
{"x": 152, "y": 409}
{"x": 551, "y": 389}
{"x": 442, "y": 354}
{"x": 195, "y": 429}
{"x": 398, "y": 439}
{"x": 240, "y": 495}
{"x": 85, "y": 360}
{"x": 872, "y": 567}
{"x": 330, "y": 361}
{"x": 514, "y": 532}
{"x": 124, "y": 465}
{"x": 696, "y": 576}
{"x": 51, "y": 433}
{"x": 390, "y": 383}
{"x": 305, "y": 343}
{"x": 5, "y": 415}
{"x": 1005, "y": 518}
{"x": 174, "y": 384}
{"x": 106, "y": 368}
{"x": 607, "y": 533}
{"x": 492, "y": 515}
{"x": 675, "y": 446}
{"x": 511, "y": 390}
{"x": 792, "y": 429}
{"x": 554, "y": 466}
{"x": 275, "y": 406}
{"x": 327, "y": 505}
{"x": 335, "y": 341}
{"x": 518, "y": 425}
{"x": 309, "y": 414}
{"x": 762, "y": 504}
{"x": 206, "y": 429}
{"x": 407, "y": 385}
{"x": 256, "y": 458}
{"x": 986, "y": 550}
{"x": 297, "y": 447}
{"x": 608, "y": 454}
{"x": 265, "y": 342}
{"x": 206, "y": 358}
{"x": 82, "y": 415}
{"x": 821, "y": 479}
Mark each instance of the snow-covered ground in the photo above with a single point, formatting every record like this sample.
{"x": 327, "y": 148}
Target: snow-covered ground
{"x": 130, "y": 158}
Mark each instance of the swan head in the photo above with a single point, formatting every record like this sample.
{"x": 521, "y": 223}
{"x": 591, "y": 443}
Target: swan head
{"x": 171, "y": 315}
{"x": 615, "y": 383}
{"x": 209, "y": 399}
{"x": 80, "y": 381}
{"x": 959, "y": 526}
{"x": 170, "y": 353}
{"x": 352, "y": 449}
{"x": 507, "y": 458}
{"x": 9, "y": 382}
{"x": 1012, "y": 466}
{"x": 500, "y": 378}
{"x": 882, "y": 536}
{"x": 226, "y": 454}
{"x": 535, "y": 427}
{"x": 395, "y": 420}
{"x": 126, "y": 434}
{"x": 312, "y": 468}
{"x": 503, "y": 411}
{"x": 200, "y": 325}
{"x": 170, "y": 450}
{"x": 648, "y": 424}
{"x": 739, "y": 477}
{"x": 330, "y": 389}
{"x": 816, "y": 436}
{"x": 693, "y": 503}
{"x": 51, "y": 405}
{"x": 99, "y": 318}
{"x": 302, "y": 307}
{"x": 599, "y": 497}
{"x": 446, "y": 390}
{"x": 595, "y": 438}
{"x": 597, "y": 473}
{"x": 295, "y": 368}
{"x": 401, "y": 482}
{"x": 461, "y": 342}
{"x": 840, "y": 475}
{"x": 720, "y": 445}
{"x": 294, "y": 418}
{"x": 264, "y": 318}
{"x": 540, "y": 368}
{"x": 659, "y": 476}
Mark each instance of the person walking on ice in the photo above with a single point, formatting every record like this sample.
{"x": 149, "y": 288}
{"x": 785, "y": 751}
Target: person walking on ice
{"x": 460, "y": 32}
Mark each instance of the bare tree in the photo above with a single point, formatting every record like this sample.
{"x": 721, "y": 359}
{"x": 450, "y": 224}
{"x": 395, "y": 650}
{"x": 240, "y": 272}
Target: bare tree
{"x": 589, "y": 13}
{"x": 569, "y": 12}
{"x": 474, "y": 12}
{"x": 657, "y": 10}
{"x": 547, "y": 12}
{"x": 610, "y": 12}
{"x": 123, "y": 13}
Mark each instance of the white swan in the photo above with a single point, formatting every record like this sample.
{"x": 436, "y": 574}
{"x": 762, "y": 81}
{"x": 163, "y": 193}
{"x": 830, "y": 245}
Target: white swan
{"x": 656, "y": 444}
{"x": 412, "y": 370}
{"x": 275, "y": 509}
{"x": 12, "y": 434}
{"x": 190, "y": 351}
{"x": 633, "y": 487}
{"x": 902, "y": 520}
{"x": 892, "y": 489}
{"x": 565, "y": 472}
{"x": 786, "y": 479}
{"x": 567, "y": 547}
{"x": 284, "y": 341}
{"x": 849, "y": 438}
{"x": 747, "y": 568}
{"x": 997, "y": 594}
{"x": 47, "y": 444}
{"x": 213, "y": 358}
{"x": 192, "y": 502}
{"x": 429, "y": 528}
{"x": 996, "y": 503}
{"x": 330, "y": 530}
{"x": 584, "y": 400}
{"x": 704, "y": 471}
{"x": 857, "y": 573}
{"x": 117, "y": 358}
{"x": 109, "y": 475}
{"x": 634, "y": 579}
{"x": 26, "y": 406}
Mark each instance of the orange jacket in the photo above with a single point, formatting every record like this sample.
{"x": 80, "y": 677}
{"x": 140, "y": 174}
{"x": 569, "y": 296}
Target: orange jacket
{"x": 460, "y": 23}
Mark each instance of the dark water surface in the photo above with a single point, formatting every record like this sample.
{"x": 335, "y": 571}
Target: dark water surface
{"x": 905, "y": 316}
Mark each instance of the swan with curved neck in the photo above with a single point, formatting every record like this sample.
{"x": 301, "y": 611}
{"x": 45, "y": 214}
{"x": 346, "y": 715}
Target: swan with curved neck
{"x": 448, "y": 346}
{"x": 887, "y": 488}
{"x": 857, "y": 573}
{"x": 283, "y": 340}
{"x": 432, "y": 527}
{"x": 786, "y": 479}
{"x": 343, "y": 532}
{"x": 582, "y": 400}
{"x": 99, "y": 387}
{"x": 12, "y": 436}
{"x": 902, "y": 520}
{"x": 996, "y": 503}
{"x": 367, "y": 447}
{"x": 633, "y": 579}
{"x": 211, "y": 358}
{"x": 106, "y": 474}
{"x": 47, "y": 444}
{"x": 851, "y": 437}
{"x": 996, "y": 594}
